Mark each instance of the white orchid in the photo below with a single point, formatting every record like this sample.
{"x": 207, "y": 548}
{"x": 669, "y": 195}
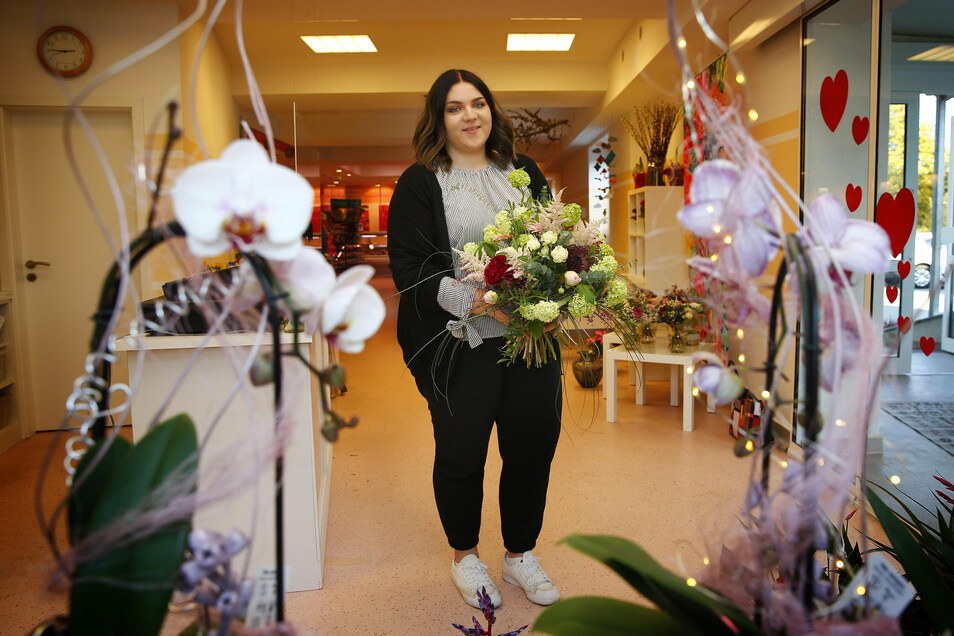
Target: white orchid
{"x": 244, "y": 201}
{"x": 353, "y": 311}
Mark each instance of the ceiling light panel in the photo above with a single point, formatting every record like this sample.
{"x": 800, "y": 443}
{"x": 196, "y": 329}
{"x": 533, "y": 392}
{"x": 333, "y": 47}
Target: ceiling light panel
{"x": 339, "y": 43}
{"x": 539, "y": 41}
{"x": 943, "y": 53}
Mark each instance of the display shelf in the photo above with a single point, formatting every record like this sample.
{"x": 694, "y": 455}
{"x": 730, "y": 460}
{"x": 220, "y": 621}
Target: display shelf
{"x": 656, "y": 241}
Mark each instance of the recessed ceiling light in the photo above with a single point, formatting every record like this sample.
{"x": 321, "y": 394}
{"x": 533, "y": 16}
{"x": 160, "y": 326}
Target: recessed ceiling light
{"x": 339, "y": 43}
{"x": 539, "y": 41}
{"x": 943, "y": 53}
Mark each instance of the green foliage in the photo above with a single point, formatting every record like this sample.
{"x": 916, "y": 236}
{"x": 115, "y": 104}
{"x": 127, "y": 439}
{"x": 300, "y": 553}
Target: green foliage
{"x": 126, "y": 590}
{"x": 693, "y": 609}
{"x": 600, "y": 616}
{"x": 925, "y": 553}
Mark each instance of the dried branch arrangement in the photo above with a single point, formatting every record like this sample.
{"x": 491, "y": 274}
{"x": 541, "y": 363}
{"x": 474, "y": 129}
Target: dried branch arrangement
{"x": 529, "y": 126}
{"x": 651, "y": 126}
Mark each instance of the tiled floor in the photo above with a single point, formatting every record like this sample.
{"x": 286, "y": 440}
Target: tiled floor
{"x": 387, "y": 567}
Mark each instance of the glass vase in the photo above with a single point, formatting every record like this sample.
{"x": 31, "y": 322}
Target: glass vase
{"x": 588, "y": 371}
{"x": 677, "y": 342}
{"x": 691, "y": 332}
{"x": 647, "y": 335}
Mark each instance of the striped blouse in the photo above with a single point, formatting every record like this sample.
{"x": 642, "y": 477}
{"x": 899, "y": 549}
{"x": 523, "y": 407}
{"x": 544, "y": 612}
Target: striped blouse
{"x": 472, "y": 199}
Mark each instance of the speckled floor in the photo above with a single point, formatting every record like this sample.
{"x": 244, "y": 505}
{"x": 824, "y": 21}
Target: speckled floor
{"x": 387, "y": 565}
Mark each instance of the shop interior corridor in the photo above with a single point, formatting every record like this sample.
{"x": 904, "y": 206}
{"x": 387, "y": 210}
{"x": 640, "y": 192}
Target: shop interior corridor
{"x": 387, "y": 564}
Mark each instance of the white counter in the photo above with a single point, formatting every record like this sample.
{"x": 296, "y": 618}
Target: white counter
{"x": 203, "y": 395}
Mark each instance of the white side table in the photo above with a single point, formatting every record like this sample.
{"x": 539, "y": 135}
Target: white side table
{"x": 614, "y": 351}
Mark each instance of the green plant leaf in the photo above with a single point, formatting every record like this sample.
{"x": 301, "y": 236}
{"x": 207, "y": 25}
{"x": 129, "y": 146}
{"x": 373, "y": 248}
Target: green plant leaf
{"x": 87, "y": 487}
{"x": 936, "y": 596}
{"x": 700, "y": 610}
{"x": 126, "y": 590}
{"x": 601, "y": 616}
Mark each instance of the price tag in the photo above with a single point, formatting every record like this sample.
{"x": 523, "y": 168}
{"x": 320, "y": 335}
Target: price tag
{"x": 886, "y": 590}
{"x": 262, "y": 608}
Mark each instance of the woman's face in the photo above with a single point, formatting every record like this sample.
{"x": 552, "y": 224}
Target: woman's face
{"x": 467, "y": 120}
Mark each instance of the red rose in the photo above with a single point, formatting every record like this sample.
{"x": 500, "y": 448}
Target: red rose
{"x": 499, "y": 274}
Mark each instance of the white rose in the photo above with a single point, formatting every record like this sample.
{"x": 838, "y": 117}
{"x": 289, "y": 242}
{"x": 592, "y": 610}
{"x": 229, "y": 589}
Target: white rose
{"x": 572, "y": 278}
{"x": 559, "y": 254}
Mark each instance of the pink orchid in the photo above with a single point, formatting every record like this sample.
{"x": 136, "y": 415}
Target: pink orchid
{"x": 243, "y": 201}
{"x": 738, "y": 298}
{"x": 733, "y": 210}
{"x": 713, "y": 378}
{"x": 856, "y": 246}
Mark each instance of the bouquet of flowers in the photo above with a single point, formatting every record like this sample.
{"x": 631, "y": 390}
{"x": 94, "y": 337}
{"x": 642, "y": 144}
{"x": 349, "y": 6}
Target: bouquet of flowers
{"x": 676, "y": 308}
{"x": 643, "y": 306}
{"x": 541, "y": 263}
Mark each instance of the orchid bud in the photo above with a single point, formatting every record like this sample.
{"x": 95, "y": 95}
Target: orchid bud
{"x": 263, "y": 369}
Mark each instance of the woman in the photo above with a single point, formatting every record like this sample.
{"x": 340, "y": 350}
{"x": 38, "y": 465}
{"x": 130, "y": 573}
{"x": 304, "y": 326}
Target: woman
{"x": 451, "y": 339}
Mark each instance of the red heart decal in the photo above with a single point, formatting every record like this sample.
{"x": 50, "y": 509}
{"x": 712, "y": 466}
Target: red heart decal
{"x": 904, "y": 324}
{"x": 853, "y": 197}
{"x": 859, "y": 129}
{"x": 896, "y": 216}
{"x": 832, "y": 99}
{"x": 904, "y": 268}
{"x": 927, "y": 345}
{"x": 891, "y": 293}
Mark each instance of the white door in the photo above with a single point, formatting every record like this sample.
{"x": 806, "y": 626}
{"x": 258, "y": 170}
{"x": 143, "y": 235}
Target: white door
{"x": 57, "y": 295}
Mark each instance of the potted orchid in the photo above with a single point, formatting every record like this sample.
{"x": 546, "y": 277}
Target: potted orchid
{"x": 130, "y": 506}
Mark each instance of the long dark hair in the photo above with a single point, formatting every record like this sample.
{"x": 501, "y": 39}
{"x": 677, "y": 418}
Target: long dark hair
{"x": 430, "y": 137}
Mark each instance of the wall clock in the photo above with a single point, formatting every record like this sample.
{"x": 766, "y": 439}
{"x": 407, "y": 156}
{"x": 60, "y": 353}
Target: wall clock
{"x": 64, "y": 51}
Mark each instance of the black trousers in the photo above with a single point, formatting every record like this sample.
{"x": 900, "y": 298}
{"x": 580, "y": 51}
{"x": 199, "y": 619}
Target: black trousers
{"x": 526, "y": 405}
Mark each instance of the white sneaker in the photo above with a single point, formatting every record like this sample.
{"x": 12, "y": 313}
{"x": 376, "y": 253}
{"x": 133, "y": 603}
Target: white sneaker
{"x": 470, "y": 576}
{"x": 527, "y": 573}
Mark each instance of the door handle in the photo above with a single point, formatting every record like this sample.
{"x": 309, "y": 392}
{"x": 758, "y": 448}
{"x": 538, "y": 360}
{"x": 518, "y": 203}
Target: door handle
{"x": 32, "y": 264}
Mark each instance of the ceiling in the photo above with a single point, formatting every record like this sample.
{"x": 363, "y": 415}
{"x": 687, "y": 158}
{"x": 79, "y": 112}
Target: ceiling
{"x": 358, "y": 111}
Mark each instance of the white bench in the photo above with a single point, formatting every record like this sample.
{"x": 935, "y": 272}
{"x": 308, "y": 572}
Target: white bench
{"x": 658, "y": 352}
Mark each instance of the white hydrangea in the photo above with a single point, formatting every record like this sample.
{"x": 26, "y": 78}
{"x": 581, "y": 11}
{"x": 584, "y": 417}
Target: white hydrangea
{"x": 579, "y": 308}
{"x": 616, "y": 293}
{"x": 544, "y": 311}
{"x": 606, "y": 264}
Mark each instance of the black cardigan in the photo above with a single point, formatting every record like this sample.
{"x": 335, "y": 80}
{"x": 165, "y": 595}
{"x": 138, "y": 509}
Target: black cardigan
{"x": 420, "y": 255}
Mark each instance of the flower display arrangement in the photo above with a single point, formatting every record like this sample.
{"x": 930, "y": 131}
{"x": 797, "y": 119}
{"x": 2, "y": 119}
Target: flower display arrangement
{"x": 651, "y": 127}
{"x": 541, "y": 263}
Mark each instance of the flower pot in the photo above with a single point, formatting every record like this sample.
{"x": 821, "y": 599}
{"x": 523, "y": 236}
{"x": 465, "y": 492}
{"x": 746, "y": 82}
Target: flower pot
{"x": 588, "y": 372}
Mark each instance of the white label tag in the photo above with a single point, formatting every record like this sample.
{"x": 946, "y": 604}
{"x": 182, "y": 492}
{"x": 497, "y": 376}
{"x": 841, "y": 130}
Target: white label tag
{"x": 887, "y": 591}
{"x": 262, "y": 606}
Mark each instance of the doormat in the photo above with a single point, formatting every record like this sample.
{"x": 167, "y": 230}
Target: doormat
{"x": 933, "y": 420}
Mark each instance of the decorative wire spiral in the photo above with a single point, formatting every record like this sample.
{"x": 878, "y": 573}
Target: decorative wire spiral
{"x": 88, "y": 390}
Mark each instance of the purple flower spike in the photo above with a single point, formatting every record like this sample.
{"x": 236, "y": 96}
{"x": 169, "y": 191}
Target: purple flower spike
{"x": 487, "y": 607}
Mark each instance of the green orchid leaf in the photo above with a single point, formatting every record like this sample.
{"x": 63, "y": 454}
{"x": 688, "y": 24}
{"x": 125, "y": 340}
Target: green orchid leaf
{"x": 601, "y": 616}
{"x": 699, "y": 610}
{"x": 89, "y": 484}
{"x": 936, "y": 596}
{"x": 126, "y": 590}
